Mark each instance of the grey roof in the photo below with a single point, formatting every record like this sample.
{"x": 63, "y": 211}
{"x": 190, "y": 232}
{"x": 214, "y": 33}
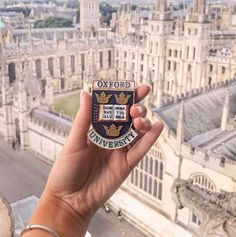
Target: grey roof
{"x": 227, "y": 149}
{"x": 202, "y": 121}
{"x": 202, "y": 113}
{"x": 52, "y": 119}
{"x": 221, "y": 143}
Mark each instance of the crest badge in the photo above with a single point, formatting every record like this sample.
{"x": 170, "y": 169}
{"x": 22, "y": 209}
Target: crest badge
{"x": 111, "y": 120}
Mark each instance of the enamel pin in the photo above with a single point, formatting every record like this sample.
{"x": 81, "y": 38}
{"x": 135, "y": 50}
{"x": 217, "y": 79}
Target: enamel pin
{"x": 111, "y": 120}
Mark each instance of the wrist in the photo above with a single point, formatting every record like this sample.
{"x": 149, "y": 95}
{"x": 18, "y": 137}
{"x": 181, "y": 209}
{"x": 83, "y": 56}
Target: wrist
{"x": 58, "y": 216}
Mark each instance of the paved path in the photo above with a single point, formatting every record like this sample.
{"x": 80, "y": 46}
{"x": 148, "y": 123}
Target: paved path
{"x": 22, "y": 174}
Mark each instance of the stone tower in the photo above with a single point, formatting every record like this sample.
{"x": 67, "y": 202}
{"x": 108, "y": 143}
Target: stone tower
{"x": 159, "y": 27}
{"x": 195, "y": 47}
{"x": 6, "y": 104}
{"x": 89, "y": 16}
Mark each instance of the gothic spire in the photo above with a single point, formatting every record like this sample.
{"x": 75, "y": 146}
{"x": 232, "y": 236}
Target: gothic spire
{"x": 225, "y": 112}
{"x": 180, "y": 128}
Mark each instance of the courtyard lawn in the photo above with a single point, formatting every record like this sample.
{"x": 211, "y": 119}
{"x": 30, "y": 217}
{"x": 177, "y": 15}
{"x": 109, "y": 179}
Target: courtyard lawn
{"x": 68, "y": 105}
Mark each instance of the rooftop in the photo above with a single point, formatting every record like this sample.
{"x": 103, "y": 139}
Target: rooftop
{"x": 202, "y": 121}
{"x": 52, "y": 120}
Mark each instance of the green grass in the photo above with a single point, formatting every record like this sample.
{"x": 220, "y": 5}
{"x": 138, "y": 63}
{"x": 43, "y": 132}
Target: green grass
{"x": 68, "y": 105}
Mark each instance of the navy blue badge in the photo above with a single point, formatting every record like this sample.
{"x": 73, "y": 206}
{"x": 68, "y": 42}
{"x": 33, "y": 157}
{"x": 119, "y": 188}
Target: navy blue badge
{"x": 111, "y": 120}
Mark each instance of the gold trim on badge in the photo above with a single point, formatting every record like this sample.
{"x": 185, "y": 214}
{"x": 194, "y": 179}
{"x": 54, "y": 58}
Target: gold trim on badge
{"x": 122, "y": 99}
{"x": 113, "y": 131}
{"x": 103, "y": 98}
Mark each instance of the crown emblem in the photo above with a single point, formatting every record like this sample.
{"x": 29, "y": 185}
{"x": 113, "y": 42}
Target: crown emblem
{"x": 113, "y": 131}
{"x": 122, "y": 99}
{"x": 103, "y": 98}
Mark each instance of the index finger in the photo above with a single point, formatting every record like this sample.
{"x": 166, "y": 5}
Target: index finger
{"x": 141, "y": 92}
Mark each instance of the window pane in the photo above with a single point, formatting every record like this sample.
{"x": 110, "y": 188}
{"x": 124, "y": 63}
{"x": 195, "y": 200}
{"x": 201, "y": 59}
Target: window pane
{"x": 156, "y": 168}
{"x": 141, "y": 180}
{"x": 161, "y": 171}
{"x": 151, "y": 166}
{"x": 50, "y": 66}
{"x": 155, "y": 189}
{"x": 150, "y": 185}
{"x": 38, "y": 68}
{"x": 62, "y": 66}
{"x": 72, "y": 63}
{"x": 160, "y": 191}
{"x": 145, "y": 183}
{"x": 12, "y": 72}
{"x": 136, "y": 177}
{"x": 146, "y": 163}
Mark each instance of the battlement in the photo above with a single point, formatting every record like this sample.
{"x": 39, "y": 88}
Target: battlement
{"x": 195, "y": 92}
{"x": 52, "y": 122}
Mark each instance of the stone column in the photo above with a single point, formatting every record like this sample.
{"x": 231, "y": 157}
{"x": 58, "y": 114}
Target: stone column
{"x": 22, "y": 110}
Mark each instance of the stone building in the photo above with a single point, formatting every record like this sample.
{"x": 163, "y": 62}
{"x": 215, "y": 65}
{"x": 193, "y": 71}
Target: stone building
{"x": 191, "y": 67}
{"x": 89, "y": 15}
{"x": 36, "y": 64}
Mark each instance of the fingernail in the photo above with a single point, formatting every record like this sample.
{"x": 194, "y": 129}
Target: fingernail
{"x": 159, "y": 124}
{"x": 150, "y": 86}
{"x": 139, "y": 108}
{"x": 144, "y": 121}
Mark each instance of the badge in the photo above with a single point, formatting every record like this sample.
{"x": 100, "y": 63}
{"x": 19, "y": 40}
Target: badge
{"x": 111, "y": 120}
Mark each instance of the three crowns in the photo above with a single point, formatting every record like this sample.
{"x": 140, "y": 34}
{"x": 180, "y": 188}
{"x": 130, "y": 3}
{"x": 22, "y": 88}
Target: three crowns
{"x": 121, "y": 99}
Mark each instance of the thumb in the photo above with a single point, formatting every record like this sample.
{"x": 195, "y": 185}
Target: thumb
{"x": 78, "y": 134}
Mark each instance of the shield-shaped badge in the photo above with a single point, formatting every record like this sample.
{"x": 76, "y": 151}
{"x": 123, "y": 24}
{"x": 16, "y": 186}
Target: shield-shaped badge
{"x": 111, "y": 120}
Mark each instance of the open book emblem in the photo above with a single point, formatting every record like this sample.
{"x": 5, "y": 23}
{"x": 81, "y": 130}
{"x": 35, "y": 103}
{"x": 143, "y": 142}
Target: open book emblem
{"x": 111, "y": 120}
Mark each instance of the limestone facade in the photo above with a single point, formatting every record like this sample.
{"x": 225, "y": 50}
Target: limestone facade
{"x": 89, "y": 15}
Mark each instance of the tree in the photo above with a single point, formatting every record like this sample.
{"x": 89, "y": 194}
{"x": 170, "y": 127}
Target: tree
{"x": 106, "y": 11}
{"x": 53, "y": 22}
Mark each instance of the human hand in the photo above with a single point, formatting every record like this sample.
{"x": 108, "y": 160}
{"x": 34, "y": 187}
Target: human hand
{"x": 84, "y": 175}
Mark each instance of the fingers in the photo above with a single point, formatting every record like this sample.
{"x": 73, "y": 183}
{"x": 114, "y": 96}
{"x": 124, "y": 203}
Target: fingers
{"x": 141, "y": 92}
{"x": 142, "y": 146}
{"x": 142, "y": 125}
{"x": 78, "y": 134}
{"x": 138, "y": 110}
{"x": 138, "y": 113}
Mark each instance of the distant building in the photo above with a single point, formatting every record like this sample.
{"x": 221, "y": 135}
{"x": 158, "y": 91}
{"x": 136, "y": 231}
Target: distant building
{"x": 89, "y": 15}
{"x": 14, "y": 19}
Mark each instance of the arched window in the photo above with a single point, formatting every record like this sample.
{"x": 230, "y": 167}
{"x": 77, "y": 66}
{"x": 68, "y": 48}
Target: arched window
{"x": 148, "y": 176}
{"x": 38, "y": 68}
{"x": 50, "y": 66}
{"x": 72, "y": 63}
{"x": 101, "y": 59}
{"x": 209, "y": 81}
{"x": 12, "y": 72}
{"x": 205, "y": 182}
{"x": 62, "y": 66}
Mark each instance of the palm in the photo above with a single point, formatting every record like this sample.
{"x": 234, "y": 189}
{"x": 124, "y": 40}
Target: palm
{"x": 84, "y": 175}
{"x": 94, "y": 174}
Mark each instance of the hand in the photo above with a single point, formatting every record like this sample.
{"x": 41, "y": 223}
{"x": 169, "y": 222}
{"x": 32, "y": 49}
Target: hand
{"x": 84, "y": 175}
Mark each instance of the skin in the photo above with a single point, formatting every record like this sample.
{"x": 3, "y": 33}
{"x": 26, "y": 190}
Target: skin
{"x": 85, "y": 176}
